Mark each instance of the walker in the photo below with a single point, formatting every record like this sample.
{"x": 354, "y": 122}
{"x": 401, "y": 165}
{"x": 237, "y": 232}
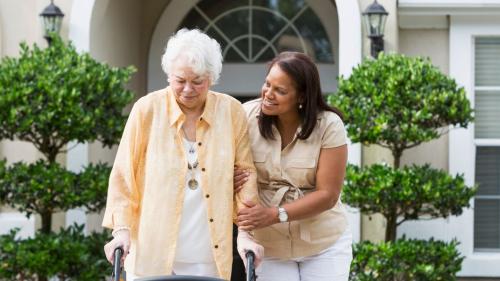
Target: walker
{"x": 118, "y": 269}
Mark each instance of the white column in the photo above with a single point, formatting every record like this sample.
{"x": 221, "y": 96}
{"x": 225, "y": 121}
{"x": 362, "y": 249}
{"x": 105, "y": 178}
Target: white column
{"x": 79, "y": 34}
{"x": 350, "y": 52}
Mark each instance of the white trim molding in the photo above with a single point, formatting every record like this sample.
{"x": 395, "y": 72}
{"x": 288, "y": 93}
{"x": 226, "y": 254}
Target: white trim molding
{"x": 462, "y": 146}
{"x": 448, "y": 7}
{"x": 435, "y": 13}
{"x": 79, "y": 34}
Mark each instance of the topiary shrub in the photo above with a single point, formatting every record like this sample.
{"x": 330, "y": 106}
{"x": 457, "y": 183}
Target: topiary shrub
{"x": 407, "y": 193}
{"x": 67, "y": 255}
{"x": 399, "y": 102}
{"x": 45, "y": 188}
{"x": 52, "y": 96}
{"x": 415, "y": 260}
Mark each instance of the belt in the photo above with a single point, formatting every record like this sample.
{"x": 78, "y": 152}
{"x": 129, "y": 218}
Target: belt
{"x": 290, "y": 193}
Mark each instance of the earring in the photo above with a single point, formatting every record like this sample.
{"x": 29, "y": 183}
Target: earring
{"x": 300, "y": 106}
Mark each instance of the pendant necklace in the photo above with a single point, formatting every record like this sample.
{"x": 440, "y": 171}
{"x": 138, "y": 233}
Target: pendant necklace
{"x": 192, "y": 182}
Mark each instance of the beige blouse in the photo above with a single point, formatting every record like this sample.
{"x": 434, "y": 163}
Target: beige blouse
{"x": 147, "y": 183}
{"x": 287, "y": 175}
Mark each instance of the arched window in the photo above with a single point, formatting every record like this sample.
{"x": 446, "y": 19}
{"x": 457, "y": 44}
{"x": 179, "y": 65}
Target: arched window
{"x": 254, "y": 31}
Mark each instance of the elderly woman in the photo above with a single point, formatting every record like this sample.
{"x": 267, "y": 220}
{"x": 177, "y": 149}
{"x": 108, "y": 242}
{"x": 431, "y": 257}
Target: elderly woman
{"x": 300, "y": 152}
{"x": 170, "y": 198}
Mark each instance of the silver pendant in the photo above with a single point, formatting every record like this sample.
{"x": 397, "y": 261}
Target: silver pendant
{"x": 193, "y": 166}
{"x": 193, "y": 184}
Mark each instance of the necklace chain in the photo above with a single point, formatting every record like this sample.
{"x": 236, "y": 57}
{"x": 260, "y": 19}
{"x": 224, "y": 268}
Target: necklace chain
{"x": 191, "y": 145}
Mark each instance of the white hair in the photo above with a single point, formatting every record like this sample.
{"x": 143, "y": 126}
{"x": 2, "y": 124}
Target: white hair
{"x": 203, "y": 54}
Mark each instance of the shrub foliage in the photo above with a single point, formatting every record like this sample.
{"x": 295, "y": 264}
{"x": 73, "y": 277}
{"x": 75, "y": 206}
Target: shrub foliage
{"x": 406, "y": 259}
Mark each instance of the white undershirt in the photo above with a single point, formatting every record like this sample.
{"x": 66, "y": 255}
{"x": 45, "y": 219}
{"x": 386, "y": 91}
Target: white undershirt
{"x": 193, "y": 243}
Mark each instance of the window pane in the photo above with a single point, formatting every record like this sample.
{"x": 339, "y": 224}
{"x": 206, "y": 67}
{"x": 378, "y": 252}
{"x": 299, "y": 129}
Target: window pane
{"x": 487, "y": 114}
{"x": 234, "y": 24}
{"x": 487, "y": 202}
{"x": 193, "y": 20}
{"x": 487, "y": 224}
{"x": 487, "y": 58}
{"x": 488, "y": 170}
{"x": 312, "y": 30}
{"x": 213, "y": 8}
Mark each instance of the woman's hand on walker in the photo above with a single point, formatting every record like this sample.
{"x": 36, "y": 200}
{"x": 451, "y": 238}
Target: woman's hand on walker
{"x": 255, "y": 216}
{"x": 246, "y": 243}
{"x": 121, "y": 239}
{"x": 240, "y": 177}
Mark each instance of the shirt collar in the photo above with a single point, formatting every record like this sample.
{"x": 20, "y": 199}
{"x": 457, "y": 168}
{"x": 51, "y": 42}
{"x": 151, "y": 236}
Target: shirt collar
{"x": 209, "y": 111}
{"x": 173, "y": 110}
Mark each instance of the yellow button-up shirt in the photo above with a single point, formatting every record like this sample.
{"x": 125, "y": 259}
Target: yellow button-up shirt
{"x": 146, "y": 185}
{"x": 285, "y": 176}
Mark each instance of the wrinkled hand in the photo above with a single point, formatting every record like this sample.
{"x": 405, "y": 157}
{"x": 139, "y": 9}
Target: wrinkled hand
{"x": 239, "y": 179}
{"x": 255, "y": 216}
{"x": 247, "y": 243}
{"x": 121, "y": 239}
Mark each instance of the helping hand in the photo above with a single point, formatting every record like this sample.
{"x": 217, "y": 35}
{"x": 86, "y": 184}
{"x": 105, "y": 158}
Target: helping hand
{"x": 256, "y": 216}
{"x": 239, "y": 179}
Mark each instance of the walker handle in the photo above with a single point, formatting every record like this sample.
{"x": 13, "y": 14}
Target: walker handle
{"x": 250, "y": 255}
{"x": 117, "y": 269}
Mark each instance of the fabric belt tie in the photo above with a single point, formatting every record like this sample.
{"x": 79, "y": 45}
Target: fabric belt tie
{"x": 290, "y": 193}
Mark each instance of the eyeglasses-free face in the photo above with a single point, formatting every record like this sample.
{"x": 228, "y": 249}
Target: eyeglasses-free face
{"x": 190, "y": 89}
{"x": 279, "y": 94}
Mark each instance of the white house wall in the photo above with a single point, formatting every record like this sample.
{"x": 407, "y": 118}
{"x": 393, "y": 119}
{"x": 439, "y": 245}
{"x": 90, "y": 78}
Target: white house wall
{"x": 433, "y": 44}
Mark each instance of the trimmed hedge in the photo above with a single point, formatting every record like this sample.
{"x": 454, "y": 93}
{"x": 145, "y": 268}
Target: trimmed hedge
{"x": 413, "y": 192}
{"x": 68, "y": 255}
{"x": 406, "y": 260}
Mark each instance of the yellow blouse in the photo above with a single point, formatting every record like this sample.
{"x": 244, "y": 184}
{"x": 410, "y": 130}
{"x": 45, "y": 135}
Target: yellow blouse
{"x": 286, "y": 175}
{"x": 146, "y": 185}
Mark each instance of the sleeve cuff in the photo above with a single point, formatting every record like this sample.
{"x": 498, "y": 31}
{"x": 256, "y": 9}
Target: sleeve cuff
{"x": 118, "y": 218}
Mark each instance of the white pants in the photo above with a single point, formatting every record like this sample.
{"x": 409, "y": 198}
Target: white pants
{"x": 332, "y": 264}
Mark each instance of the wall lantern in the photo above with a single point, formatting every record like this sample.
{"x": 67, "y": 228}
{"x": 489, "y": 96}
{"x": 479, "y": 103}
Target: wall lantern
{"x": 374, "y": 18}
{"x": 51, "y": 20}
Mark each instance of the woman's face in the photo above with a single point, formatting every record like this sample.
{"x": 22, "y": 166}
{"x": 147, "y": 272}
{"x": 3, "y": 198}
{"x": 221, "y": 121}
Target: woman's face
{"x": 190, "y": 89}
{"x": 279, "y": 94}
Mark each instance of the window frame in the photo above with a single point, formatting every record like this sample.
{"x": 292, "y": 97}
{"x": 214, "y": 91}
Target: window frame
{"x": 462, "y": 144}
{"x": 483, "y": 142}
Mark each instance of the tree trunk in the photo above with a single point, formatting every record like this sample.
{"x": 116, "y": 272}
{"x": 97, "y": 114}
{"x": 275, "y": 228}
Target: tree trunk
{"x": 392, "y": 218}
{"x": 46, "y": 222}
{"x": 390, "y": 230}
{"x": 397, "y": 154}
